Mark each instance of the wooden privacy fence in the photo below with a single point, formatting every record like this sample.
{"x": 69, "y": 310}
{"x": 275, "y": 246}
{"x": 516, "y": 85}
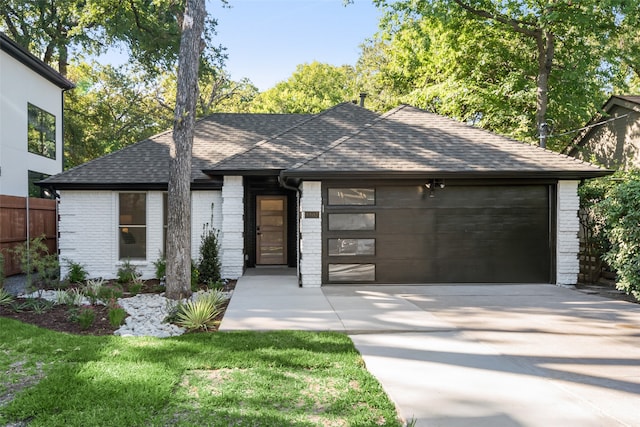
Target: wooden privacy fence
{"x": 15, "y": 229}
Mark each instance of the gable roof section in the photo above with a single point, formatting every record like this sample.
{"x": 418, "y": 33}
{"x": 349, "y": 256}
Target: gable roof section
{"x": 629, "y": 102}
{"x": 29, "y": 60}
{"x": 411, "y": 142}
{"x": 145, "y": 164}
{"x": 304, "y": 140}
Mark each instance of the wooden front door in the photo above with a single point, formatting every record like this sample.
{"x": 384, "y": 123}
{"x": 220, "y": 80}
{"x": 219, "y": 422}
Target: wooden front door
{"x": 271, "y": 229}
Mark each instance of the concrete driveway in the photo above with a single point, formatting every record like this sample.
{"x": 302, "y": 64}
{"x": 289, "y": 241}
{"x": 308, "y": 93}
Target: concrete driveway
{"x": 480, "y": 355}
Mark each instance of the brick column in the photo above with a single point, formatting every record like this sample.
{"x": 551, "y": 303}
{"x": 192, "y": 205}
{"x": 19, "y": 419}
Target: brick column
{"x": 232, "y": 229}
{"x": 568, "y": 225}
{"x": 311, "y": 231}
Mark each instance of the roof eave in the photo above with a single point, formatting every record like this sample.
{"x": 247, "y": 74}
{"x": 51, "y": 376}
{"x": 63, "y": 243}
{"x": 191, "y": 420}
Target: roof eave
{"x": 567, "y": 175}
{"x": 122, "y": 186}
{"x": 242, "y": 172}
{"x": 29, "y": 60}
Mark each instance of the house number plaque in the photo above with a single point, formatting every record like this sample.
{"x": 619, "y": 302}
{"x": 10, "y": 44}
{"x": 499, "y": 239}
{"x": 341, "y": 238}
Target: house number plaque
{"x": 312, "y": 214}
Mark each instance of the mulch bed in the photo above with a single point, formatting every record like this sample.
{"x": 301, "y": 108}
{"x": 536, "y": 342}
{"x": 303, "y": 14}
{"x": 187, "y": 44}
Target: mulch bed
{"x": 57, "y": 318}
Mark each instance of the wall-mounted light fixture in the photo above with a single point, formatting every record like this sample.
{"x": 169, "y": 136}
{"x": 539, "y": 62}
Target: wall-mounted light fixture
{"x": 432, "y": 184}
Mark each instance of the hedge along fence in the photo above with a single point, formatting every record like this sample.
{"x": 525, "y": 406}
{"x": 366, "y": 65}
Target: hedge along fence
{"x": 611, "y": 213}
{"x": 15, "y": 229}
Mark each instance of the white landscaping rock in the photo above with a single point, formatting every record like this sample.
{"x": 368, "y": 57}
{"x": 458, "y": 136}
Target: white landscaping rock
{"x": 146, "y": 316}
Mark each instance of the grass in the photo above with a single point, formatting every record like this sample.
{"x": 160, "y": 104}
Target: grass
{"x": 286, "y": 378}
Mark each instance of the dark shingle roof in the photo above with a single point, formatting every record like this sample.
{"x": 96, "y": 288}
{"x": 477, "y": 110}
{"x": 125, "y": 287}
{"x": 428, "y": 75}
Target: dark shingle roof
{"x": 300, "y": 142}
{"x": 216, "y": 137}
{"x": 409, "y": 141}
{"x": 344, "y": 140}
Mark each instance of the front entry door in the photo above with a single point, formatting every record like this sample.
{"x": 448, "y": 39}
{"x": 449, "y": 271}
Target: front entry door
{"x": 271, "y": 230}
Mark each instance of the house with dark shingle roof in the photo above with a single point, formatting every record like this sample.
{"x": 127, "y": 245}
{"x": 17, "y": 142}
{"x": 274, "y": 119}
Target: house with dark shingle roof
{"x": 612, "y": 138}
{"x": 343, "y": 196}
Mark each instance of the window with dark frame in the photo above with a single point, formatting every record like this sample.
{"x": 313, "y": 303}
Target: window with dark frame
{"x": 346, "y": 244}
{"x": 132, "y": 228}
{"x": 41, "y": 132}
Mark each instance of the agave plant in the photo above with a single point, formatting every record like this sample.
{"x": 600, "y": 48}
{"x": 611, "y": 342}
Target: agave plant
{"x": 200, "y": 314}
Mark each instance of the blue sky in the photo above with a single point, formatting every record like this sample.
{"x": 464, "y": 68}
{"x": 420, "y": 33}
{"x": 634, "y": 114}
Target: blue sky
{"x": 267, "y": 39}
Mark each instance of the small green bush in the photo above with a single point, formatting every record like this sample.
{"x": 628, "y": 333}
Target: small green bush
{"x": 135, "y": 286}
{"x": 108, "y": 292}
{"x": 127, "y": 273}
{"x": 84, "y": 316}
{"x": 41, "y": 267}
{"x": 116, "y": 315}
{"x": 77, "y": 273}
{"x": 209, "y": 265}
{"x": 161, "y": 267}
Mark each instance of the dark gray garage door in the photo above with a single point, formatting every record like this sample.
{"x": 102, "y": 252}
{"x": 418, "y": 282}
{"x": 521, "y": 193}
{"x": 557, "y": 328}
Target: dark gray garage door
{"x": 393, "y": 233}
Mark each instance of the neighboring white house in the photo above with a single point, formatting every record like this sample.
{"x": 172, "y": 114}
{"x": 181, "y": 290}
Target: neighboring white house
{"x": 345, "y": 196}
{"x": 31, "y": 97}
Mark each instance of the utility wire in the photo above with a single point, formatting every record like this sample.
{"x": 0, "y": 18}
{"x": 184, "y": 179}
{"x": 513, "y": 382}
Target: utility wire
{"x": 590, "y": 126}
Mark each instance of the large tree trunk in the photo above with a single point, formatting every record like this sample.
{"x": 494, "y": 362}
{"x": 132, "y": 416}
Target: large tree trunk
{"x": 546, "y": 46}
{"x": 178, "y": 279}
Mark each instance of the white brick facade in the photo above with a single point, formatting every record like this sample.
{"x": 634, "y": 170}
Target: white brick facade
{"x": 567, "y": 243}
{"x": 89, "y": 229}
{"x": 311, "y": 231}
{"x": 232, "y": 228}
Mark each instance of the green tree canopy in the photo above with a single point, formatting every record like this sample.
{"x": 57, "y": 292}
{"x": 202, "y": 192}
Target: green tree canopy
{"x": 109, "y": 109}
{"x": 507, "y": 65}
{"x": 310, "y": 89}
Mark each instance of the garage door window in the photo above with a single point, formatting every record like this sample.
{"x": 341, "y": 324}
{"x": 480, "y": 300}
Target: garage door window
{"x": 352, "y": 247}
{"x": 352, "y": 196}
{"x": 352, "y": 221}
{"x": 352, "y": 272}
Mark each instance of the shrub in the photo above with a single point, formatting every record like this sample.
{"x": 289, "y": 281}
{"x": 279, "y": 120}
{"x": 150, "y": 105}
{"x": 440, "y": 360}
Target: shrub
{"x": 116, "y": 314}
{"x": 92, "y": 289}
{"x": 209, "y": 266}
{"x": 611, "y": 207}
{"x": 41, "y": 267}
{"x": 5, "y": 297}
{"x": 621, "y": 211}
{"x": 84, "y": 316}
{"x": 135, "y": 286}
{"x": 108, "y": 292}
{"x": 161, "y": 267}
{"x": 127, "y": 273}
{"x": 77, "y": 273}
{"x": 73, "y": 296}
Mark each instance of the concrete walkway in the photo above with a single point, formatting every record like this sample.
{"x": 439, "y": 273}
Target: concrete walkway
{"x": 481, "y": 355}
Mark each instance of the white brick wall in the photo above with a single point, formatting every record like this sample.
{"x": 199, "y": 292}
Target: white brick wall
{"x": 232, "y": 228}
{"x": 206, "y": 208}
{"x": 89, "y": 229}
{"x": 567, "y": 243}
{"x": 311, "y": 231}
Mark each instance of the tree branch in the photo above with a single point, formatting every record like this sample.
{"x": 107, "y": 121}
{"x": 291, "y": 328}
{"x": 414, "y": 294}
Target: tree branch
{"x": 517, "y": 25}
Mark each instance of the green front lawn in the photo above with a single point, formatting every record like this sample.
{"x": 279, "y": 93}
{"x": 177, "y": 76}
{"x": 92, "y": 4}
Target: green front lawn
{"x": 214, "y": 379}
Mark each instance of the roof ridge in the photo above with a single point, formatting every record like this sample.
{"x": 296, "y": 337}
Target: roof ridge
{"x": 279, "y": 134}
{"x": 352, "y": 134}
